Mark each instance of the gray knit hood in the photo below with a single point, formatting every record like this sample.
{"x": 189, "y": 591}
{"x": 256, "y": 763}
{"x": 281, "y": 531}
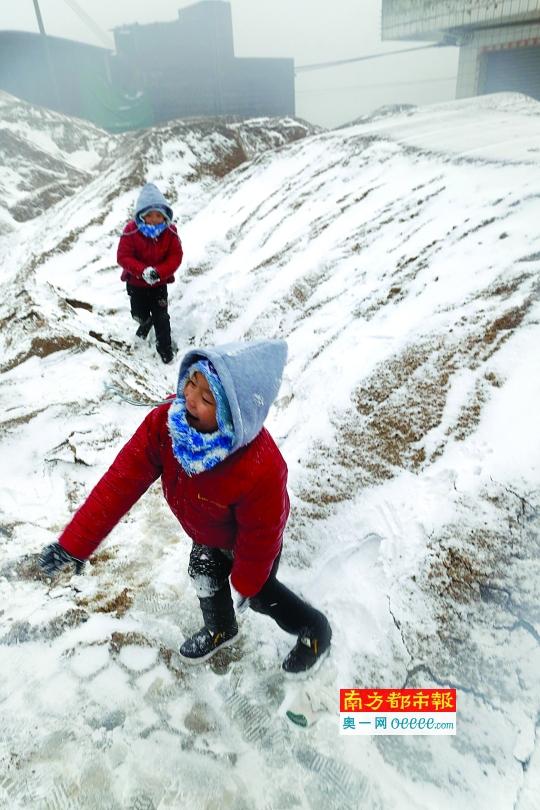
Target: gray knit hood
{"x": 250, "y": 374}
{"x": 151, "y": 199}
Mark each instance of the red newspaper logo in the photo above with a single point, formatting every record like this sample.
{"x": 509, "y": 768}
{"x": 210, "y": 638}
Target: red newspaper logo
{"x": 397, "y": 700}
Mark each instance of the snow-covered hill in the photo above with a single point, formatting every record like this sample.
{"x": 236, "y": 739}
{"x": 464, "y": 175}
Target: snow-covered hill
{"x": 399, "y": 258}
{"x": 46, "y": 157}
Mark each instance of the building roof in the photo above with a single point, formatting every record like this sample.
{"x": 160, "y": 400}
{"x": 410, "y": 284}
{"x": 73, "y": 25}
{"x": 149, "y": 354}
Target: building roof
{"x": 34, "y": 37}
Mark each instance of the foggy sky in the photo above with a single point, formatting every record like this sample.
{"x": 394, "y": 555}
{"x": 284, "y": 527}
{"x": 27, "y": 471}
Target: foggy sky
{"x": 307, "y": 30}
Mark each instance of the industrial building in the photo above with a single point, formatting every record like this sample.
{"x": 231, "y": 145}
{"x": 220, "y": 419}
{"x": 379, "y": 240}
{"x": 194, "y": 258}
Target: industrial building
{"x": 188, "y": 68}
{"x": 158, "y": 72}
{"x": 63, "y": 75}
{"x": 499, "y": 40}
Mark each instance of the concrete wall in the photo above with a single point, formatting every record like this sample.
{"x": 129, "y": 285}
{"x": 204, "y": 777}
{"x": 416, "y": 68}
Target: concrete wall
{"x": 51, "y": 71}
{"x": 427, "y": 19}
{"x": 473, "y": 63}
{"x": 498, "y": 39}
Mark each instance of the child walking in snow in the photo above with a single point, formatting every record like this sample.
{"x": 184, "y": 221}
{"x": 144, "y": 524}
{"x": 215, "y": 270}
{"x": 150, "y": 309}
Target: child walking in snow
{"x": 149, "y": 253}
{"x": 225, "y": 481}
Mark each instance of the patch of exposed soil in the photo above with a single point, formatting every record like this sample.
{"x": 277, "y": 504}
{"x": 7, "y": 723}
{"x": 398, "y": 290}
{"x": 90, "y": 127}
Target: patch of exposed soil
{"x": 17, "y": 421}
{"x": 43, "y": 347}
{"x": 131, "y": 639}
{"x": 23, "y": 631}
{"x": 109, "y": 341}
{"x": 104, "y": 603}
{"x": 403, "y": 401}
{"x": 73, "y": 302}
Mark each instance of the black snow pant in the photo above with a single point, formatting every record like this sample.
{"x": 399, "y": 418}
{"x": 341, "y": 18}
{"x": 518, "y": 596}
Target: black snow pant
{"x": 209, "y": 569}
{"x": 152, "y": 302}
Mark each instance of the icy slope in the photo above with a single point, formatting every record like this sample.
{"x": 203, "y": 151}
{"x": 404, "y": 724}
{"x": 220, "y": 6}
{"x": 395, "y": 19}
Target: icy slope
{"x": 78, "y": 236}
{"x": 404, "y": 275}
{"x": 505, "y": 127}
{"x": 46, "y": 157}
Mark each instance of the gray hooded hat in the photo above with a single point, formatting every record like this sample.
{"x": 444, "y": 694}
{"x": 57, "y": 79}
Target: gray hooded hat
{"x": 251, "y": 376}
{"x": 151, "y": 199}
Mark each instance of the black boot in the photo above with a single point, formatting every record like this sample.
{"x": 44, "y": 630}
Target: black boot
{"x": 144, "y": 328}
{"x": 220, "y": 628}
{"x": 203, "y": 644}
{"x": 167, "y": 355}
{"x": 308, "y": 650}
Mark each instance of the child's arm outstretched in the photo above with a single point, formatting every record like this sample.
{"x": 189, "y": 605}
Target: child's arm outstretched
{"x": 136, "y": 466}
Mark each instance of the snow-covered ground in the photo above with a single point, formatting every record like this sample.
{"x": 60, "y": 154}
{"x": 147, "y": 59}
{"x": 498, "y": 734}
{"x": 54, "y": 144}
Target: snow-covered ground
{"x": 399, "y": 258}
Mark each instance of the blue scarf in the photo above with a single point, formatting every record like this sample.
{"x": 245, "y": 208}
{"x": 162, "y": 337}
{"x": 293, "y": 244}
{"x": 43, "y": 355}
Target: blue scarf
{"x": 151, "y": 231}
{"x": 195, "y": 451}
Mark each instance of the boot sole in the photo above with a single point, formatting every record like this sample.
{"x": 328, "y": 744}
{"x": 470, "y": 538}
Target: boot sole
{"x": 208, "y": 655}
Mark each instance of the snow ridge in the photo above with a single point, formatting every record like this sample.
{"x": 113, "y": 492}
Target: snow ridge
{"x": 399, "y": 258}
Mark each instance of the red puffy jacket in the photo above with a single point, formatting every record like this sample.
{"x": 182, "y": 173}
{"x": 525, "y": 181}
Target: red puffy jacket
{"x": 136, "y": 252}
{"x": 240, "y": 504}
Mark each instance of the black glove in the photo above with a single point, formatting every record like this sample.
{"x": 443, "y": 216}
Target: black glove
{"x": 53, "y": 558}
{"x": 151, "y": 276}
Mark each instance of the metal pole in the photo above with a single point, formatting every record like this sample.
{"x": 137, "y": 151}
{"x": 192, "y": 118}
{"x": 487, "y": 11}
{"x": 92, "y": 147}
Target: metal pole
{"x": 39, "y": 18}
{"x": 54, "y": 84}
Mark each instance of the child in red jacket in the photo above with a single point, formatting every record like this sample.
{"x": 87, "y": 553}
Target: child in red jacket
{"x": 226, "y": 482}
{"x": 149, "y": 253}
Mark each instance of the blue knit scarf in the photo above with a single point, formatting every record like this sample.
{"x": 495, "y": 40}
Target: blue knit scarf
{"x": 196, "y": 451}
{"x": 151, "y": 231}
